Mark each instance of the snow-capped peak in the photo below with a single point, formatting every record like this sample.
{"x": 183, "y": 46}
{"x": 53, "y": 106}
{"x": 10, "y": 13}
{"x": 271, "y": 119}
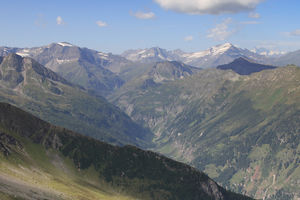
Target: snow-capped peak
{"x": 219, "y": 49}
{"x": 225, "y": 45}
{"x": 215, "y": 50}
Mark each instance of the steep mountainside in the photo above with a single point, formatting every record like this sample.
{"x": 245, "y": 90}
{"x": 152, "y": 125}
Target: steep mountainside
{"x": 86, "y": 67}
{"x": 217, "y": 55}
{"x": 41, "y": 161}
{"x": 244, "y": 66}
{"x": 32, "y": 87}
{"x": 241, "y": 130}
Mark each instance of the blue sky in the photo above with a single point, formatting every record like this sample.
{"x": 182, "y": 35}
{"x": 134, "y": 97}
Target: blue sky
{"x": 117, "y": 25}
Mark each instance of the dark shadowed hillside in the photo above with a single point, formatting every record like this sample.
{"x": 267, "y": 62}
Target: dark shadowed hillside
{"x": 30, "y": 147}
{"x": 244, "y": 66}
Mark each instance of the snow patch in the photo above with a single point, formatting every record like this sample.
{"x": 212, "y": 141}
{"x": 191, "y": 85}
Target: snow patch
{"x": 141, "y": 52}
{"x": 162, "y": 57}
{"x": 23, "y": 54}
{"x": 65, "y": 44}
{"x": 103, "y": 55}
{"x": 64, "y": 61}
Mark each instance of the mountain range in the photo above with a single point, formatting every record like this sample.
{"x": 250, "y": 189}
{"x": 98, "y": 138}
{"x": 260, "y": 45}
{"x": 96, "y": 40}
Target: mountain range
{"x": 217, "y": 55}
{"x": 226, "y": 111}
{"x": 214, "y": 56}
{"x": 60, "y": 56}
{"x": 103, "y": 73}
{"x": 82, "y": 66}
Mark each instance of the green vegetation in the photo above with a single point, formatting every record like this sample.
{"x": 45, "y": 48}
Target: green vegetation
{"x": 241, "y": 130}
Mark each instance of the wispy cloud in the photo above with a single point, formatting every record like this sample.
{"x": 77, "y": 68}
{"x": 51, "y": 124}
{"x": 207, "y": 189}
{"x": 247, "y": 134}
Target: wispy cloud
{"x": 143, "y": 15}
{"x": 101, "y": 23}
{"x": 40, "y": 21}
{"x": 214, "y": 7}
{"x": 250, "y": 22}
{"x": 254, "y": 15}
{"x": 60, "y": 21}
{"x": 278, "y": 45}
{"x": 188, "y": 38}
{"x": 221, "y": 31}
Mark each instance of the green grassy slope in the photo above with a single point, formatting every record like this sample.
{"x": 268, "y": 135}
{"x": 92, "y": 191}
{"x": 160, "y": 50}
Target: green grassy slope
{"x": 241, "y": 130}
{"x": 41, "y": 161}
{"x": 32, "y": 87}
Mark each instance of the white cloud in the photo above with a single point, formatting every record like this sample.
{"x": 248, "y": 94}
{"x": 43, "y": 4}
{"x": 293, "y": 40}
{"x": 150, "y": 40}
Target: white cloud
{"x": 59, "y": 20}
{"x": 221, "y": 31}
{"x": 295, "y": 32}
{"x": 101, "y": 23}
{"x": 188, "y": 38}
{"x": 143, "y": 15}
{"x": 209, "y": 6}
{"x": 254, "y": 15}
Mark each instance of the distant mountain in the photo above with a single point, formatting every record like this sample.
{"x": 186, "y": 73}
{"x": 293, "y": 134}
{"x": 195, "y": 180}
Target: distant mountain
{"x": 41, "y": 161}
{"x": 217, "y": 55}
{"x": 150, "y": 55}
{"x": 86, "y": 67}
{"x": 243, "y": 131}
{"x": 38, "y": 90}
{"x": 154, "y": 75}
{"x": 170, "y": 71}
{"x": 291, "y": 58}
{"x": 244, "y": 66}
